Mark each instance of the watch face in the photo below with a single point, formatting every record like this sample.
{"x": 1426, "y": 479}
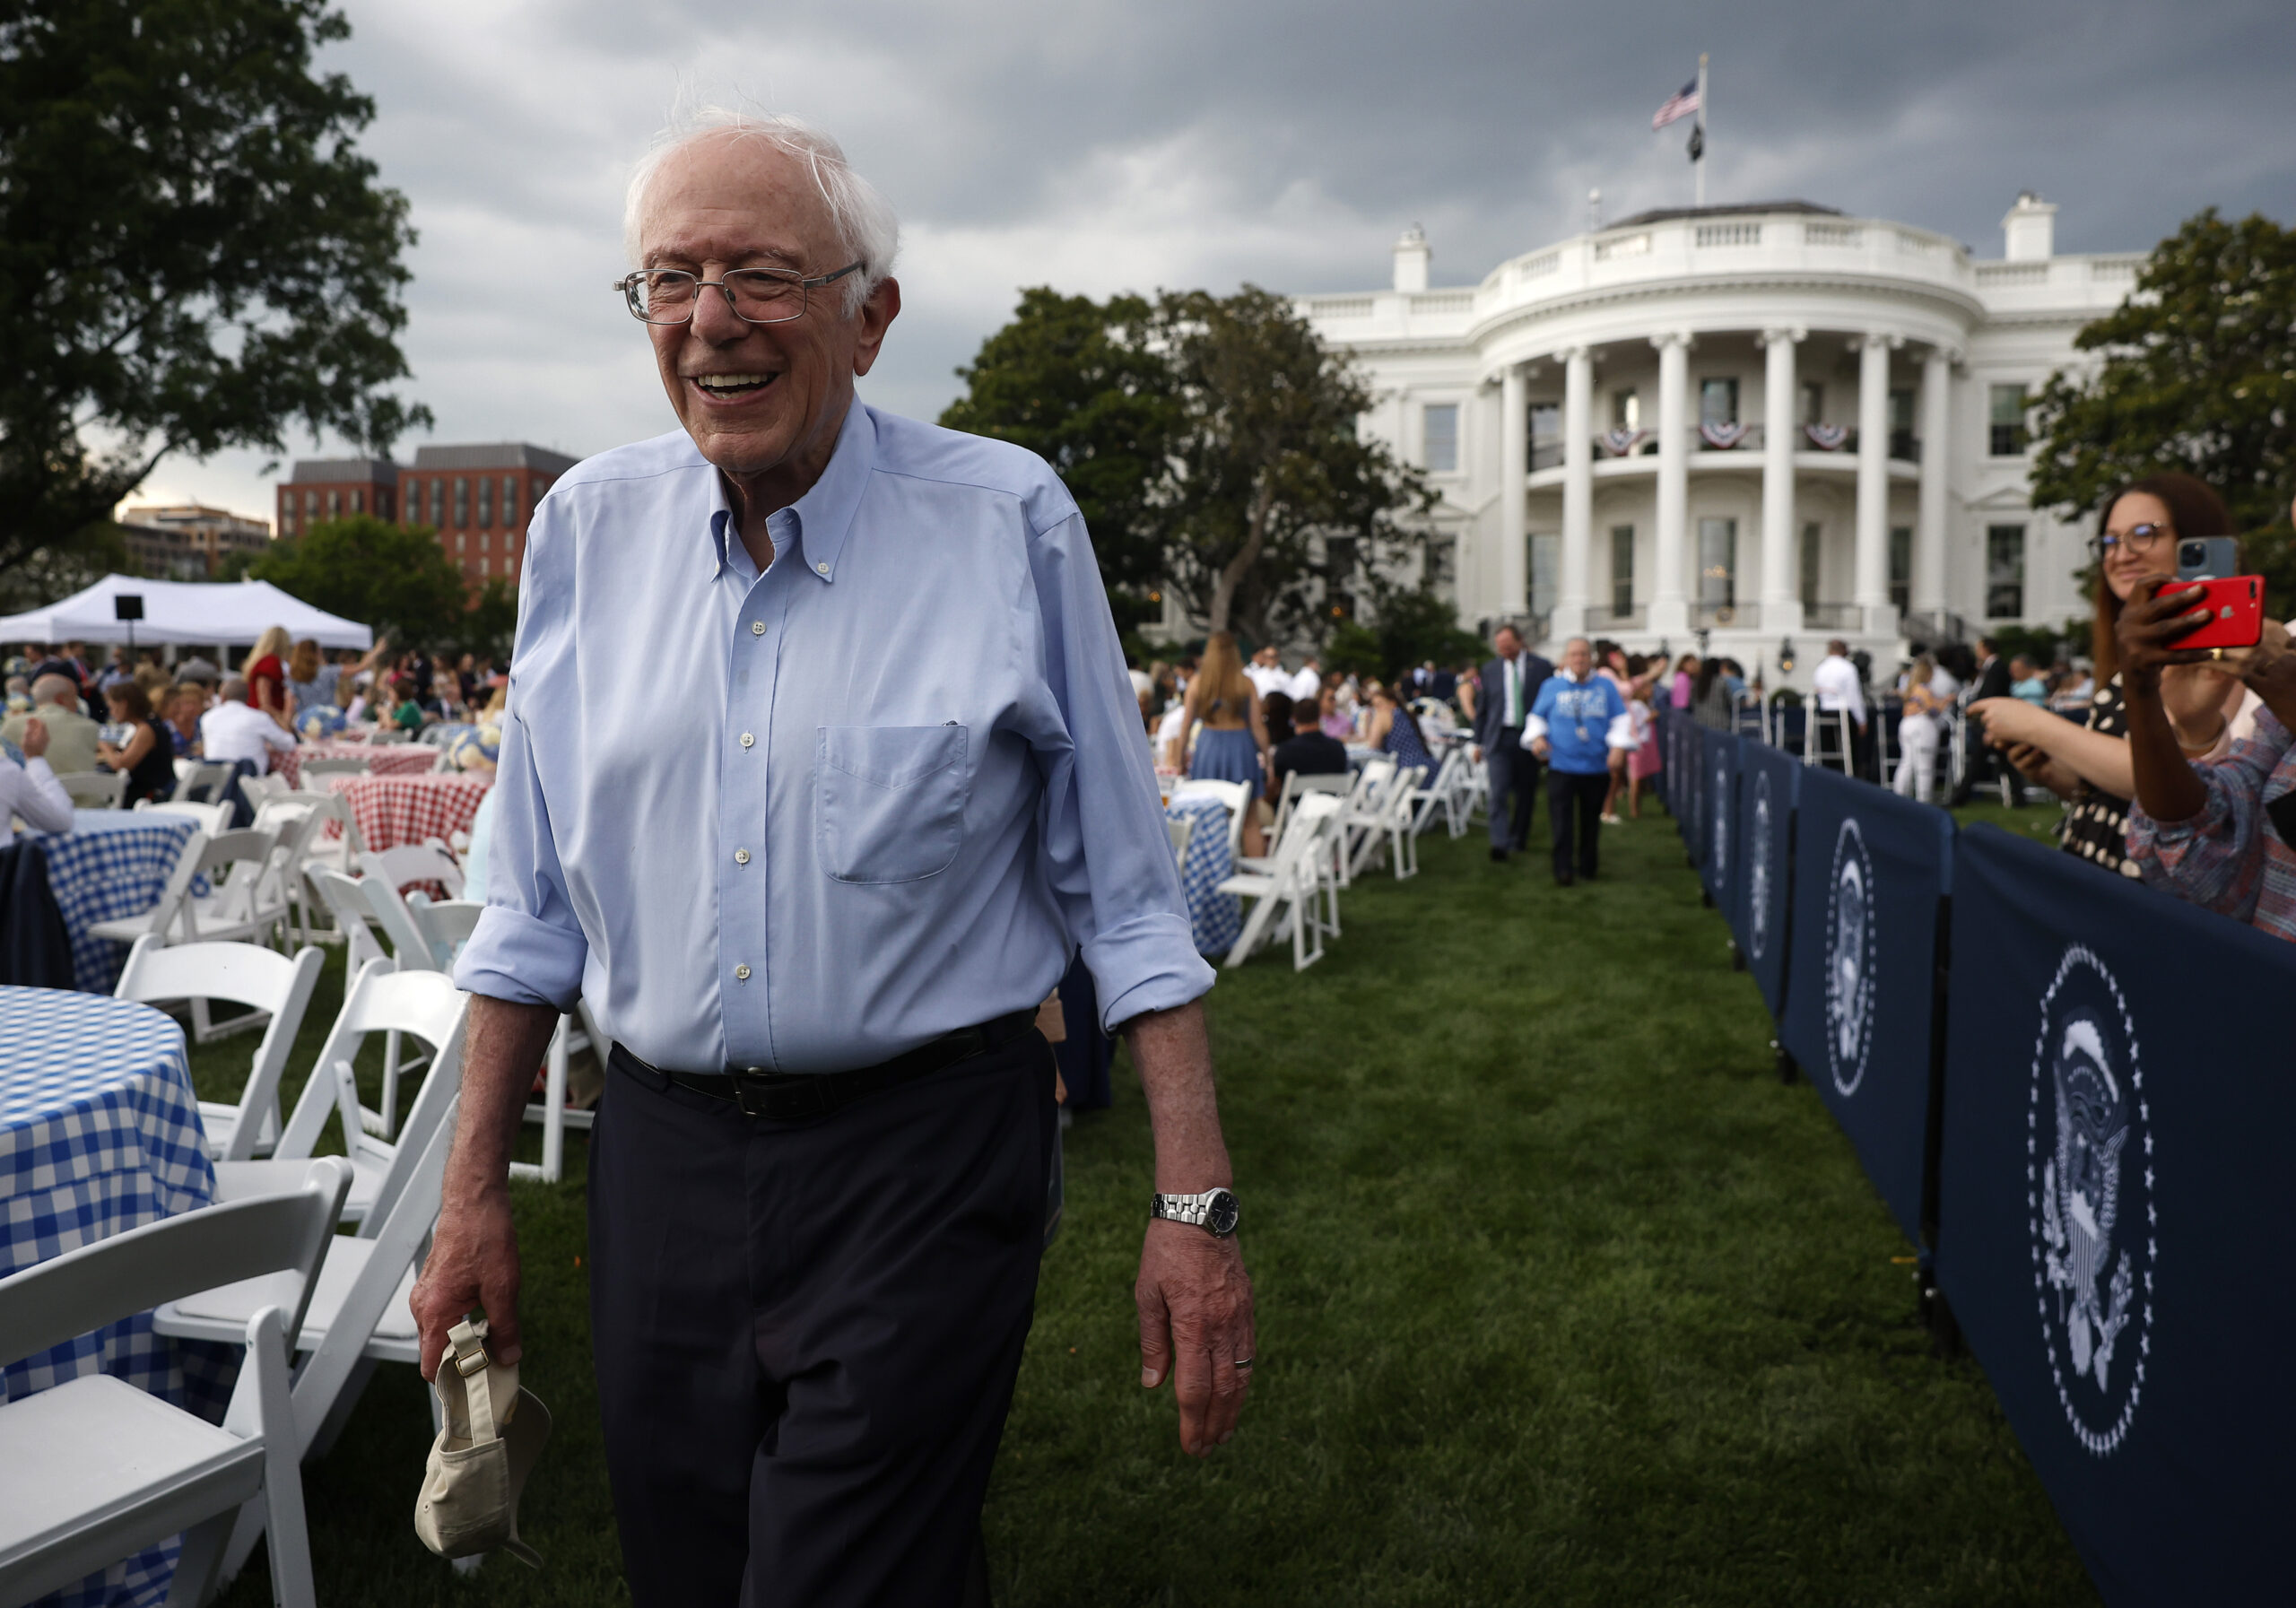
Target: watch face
{"x": 1219, "y": 1213}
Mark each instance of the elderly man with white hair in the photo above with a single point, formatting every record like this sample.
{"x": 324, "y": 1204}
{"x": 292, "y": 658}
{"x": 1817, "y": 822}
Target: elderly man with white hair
{"x": 815, "y": 904}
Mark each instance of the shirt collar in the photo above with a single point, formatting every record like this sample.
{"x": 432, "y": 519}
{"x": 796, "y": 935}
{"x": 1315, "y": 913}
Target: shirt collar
{"x": 817, "y": 522}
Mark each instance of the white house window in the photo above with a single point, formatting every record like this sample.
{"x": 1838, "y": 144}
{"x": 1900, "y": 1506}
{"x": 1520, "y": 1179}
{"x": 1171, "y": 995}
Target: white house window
{"x": 1626, "y": 409}
{"x": 1812, "y": 546}
{"x": 2004, "y": 571}
{"x": 1814, "y": 402}
{"x": 1902, "y": 566}
{"x": 1546, "y": 435}
{"x": 1546, "y": 564}
{"x": 1717, "y": 401}
{"x": 1622, "y": 565}
{"x": 2005, "y": 432}
{"x": 1442, "y": 422}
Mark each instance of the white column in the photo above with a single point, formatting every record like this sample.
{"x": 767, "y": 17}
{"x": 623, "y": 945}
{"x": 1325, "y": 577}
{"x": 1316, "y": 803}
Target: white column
{"x": 1936, "y": 450}
{"x": 1514, "y": 471}
{"x": 1669, "y": 612}
{"x": 1781, "y": 599}
{"x": 1577, "y": 491}
{"x": 1873, "y": 586}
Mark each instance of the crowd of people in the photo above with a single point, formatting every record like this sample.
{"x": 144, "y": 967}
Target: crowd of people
{"x": 136, "y": 714}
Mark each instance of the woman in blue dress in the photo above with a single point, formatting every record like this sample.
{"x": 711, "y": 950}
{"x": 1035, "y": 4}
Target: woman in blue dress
{"x": 1395, "y": 730}
{"x": 1230, "y": 747}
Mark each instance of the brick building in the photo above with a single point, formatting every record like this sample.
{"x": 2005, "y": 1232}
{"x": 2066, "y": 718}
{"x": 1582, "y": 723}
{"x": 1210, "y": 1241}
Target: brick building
{"x": 478, "y": 498}
{"x": 188, "y": 541}
{"x": 332, "y": 488}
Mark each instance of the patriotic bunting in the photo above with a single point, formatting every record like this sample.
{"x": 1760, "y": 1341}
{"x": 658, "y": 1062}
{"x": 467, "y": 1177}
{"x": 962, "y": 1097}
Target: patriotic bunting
{"x": 1723, "y": 437}
{"x": 1827, "y": 438}
{"x": 1620, "y": 441}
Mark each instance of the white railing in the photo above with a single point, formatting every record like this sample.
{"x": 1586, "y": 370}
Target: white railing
{"x": 1833, "y": 234}
{"x": 1545, "y": 262}
{"x": 2012, "y": 273}
{"x": 1910, "y": 244}
{"x": 1340, "y": 307}
{"x": 2115, "y": 270}
{"x": 1625, "y": 245}
{"x": 1443, "y": 301}
{"x": 1728, "y": 234}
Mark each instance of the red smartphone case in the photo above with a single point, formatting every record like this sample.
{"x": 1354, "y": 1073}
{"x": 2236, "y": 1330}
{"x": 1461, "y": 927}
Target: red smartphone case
{"x": 2237, "y": 602}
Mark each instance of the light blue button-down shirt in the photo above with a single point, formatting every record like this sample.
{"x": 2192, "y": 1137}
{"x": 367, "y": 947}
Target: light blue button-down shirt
{"x": 809, "y": 819}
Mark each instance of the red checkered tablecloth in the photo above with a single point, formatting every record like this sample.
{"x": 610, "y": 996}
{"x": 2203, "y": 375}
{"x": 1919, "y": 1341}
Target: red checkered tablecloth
{"x": 391, "y": 759}
{"x": 392, "y": 810}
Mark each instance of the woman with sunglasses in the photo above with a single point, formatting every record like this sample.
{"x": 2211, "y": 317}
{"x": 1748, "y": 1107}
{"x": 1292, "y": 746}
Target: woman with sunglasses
{"x": 2088, "y": 764}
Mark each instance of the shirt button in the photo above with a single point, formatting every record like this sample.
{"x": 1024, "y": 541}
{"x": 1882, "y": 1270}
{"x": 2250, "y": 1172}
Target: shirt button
{"x": 742, "y": 973}
{"x": 757, "y": 628}
{"x": 748, "y": 739}
{"x": 821, "y": 569}
{"x": 740, "y": 856}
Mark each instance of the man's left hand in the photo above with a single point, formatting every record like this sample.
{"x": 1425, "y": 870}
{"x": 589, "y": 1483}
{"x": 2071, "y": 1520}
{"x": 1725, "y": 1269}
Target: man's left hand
{"x": 1195, "y": 1325}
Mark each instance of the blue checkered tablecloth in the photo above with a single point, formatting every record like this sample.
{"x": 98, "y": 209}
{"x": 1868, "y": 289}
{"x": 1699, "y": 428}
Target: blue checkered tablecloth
{"x": 112, "y": 863}
{"x": 98, "y": 1134}
{"x": 1215, "y": 919}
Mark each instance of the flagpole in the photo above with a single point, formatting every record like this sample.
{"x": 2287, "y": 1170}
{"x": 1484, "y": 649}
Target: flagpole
{"x": 1698, "y": 168}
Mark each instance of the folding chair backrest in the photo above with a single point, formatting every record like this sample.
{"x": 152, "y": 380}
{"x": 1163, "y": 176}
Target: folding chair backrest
{"x": 258, "y": 788}
{"x": 448, "y": 923}
{"x": 1307, "y": 826}
{"x": 348, "y": 906}
{"x": 204, "y": 776}
{"x": 389, "y": 907}
{"x": 237, "y": 864}
{"x": 336, "y": 767}
{"x": 98, "y": 1283}
{"x": 329, "y": 805}
{"x": 408, "y": 862}
{"x": 94, "y": 789}
{"x": 213, "y": 819}
{"x": 1235, "y": 795}
{"x": 244, "y": 974}
{"x": 170, "y": 914}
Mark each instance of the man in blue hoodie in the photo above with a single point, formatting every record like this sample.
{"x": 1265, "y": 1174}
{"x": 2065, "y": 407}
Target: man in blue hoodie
{"x": 1578, "y": 718}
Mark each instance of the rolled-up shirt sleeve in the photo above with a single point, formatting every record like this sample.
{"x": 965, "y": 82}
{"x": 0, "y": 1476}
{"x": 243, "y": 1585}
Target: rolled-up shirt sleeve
{"x": 1107, "y": 855}
{"x": 32, "y": 792}
{"x": 2215, "y": 858}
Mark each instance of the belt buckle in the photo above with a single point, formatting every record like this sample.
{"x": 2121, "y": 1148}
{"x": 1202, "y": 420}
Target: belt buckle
{"x": 779, "y": 1097}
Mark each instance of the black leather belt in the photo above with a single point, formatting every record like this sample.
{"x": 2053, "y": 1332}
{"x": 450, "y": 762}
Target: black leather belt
{"x": 797, "y": 1095}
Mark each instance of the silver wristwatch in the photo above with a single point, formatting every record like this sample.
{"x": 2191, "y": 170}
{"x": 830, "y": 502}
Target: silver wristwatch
{"x": 1214, "y": 1211}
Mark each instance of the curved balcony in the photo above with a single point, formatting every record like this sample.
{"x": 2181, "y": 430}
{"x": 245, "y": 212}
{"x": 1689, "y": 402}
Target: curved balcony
{"x": 1724, "y": 449}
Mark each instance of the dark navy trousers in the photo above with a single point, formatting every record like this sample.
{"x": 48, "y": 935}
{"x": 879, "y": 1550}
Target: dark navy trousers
{"x": 807, "y": 1333}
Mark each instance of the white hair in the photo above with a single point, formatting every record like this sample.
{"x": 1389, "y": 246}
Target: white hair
{"x": 867, "y": 227}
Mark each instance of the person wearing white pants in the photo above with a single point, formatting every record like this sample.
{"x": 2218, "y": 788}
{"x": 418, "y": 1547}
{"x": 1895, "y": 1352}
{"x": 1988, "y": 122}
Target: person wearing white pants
{"x": 1917, "y": 733}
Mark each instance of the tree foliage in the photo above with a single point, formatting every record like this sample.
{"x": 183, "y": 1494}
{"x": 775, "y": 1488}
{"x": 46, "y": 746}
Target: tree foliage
{"x": 1210, "y": 441}
{"x": 394, "y": 577}
{"x": 2197, "y": 373}
{"x": 194, "y": 255}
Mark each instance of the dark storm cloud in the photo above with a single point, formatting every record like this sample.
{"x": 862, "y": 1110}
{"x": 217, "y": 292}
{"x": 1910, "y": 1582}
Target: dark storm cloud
{"x": 1101, "y": 146}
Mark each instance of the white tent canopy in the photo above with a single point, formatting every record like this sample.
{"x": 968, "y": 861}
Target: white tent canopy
{"x": 180, "y": 610}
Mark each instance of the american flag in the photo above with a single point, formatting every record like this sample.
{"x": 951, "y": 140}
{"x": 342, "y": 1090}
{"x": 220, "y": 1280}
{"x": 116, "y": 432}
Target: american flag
{"x": 1683, "y": 104}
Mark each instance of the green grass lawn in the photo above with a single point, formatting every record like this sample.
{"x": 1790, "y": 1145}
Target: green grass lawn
{"x": 1562, "y": 1299}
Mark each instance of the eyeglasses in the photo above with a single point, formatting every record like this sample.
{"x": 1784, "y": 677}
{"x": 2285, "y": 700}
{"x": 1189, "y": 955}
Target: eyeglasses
{"x": 757, "y": 295}
{"x": 2140, "y": 539}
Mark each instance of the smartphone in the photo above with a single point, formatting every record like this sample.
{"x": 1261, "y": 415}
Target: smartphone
{"x": 2236, "y": 603}
{"x": 2207, "y": 558}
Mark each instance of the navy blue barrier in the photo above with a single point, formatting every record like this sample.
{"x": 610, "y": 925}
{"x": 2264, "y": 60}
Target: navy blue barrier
{"x": 1869, "y": 870}
{"x": 1686, "y": 787}
{"x": 2114, "y": 1166}
{"x": 1717, "y": 776}
{"x": 1760, "y": 916}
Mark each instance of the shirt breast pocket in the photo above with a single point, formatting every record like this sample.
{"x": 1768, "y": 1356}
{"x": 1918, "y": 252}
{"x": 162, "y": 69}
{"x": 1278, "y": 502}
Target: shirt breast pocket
{"x": 889, "y": 801}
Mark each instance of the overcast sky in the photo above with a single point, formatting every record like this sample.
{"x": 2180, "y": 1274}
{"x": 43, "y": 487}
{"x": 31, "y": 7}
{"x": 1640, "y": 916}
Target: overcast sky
{"x": 1097, "y": 147}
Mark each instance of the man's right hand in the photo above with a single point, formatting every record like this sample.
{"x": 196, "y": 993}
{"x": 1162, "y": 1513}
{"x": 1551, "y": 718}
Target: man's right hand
{"x": 35, "y": 742}
{"x": 473, "y": 1266}
{"x": 1542, "y": 749}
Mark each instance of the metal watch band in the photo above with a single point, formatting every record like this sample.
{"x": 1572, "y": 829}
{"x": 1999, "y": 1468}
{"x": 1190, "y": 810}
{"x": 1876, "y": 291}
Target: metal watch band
{"x": 1213, "y": 1210}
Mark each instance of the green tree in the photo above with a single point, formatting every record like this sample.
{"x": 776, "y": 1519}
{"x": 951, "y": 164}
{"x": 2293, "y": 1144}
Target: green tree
{"x": 1266, "y": 458}
{"x": 194, "y": 255}
{"x": 1077, "y": 382}
{"x": 2197, "y": 373}
{"x": 491, "y": 622}
{"x": 394, "y": 577}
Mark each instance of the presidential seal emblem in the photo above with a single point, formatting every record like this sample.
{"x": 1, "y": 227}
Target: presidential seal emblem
{"x": 1851, "y": 960}
{"x": 1719, "y": 813}
{"x": 2088, "y": 1197}
{"x": 1758, "y": 870}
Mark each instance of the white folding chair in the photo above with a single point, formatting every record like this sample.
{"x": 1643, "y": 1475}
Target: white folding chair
{"x": 256, "y": 789}
{"x": 95, "y": 789}
{"x": 247, "y": 898}
{"x": 213, "y": 819}
{"x": 1402, "y": 836}
{"x": 429, "y": 861}
{"x": 1235, "y": 795}
{"x": 204, "y": 776}
{"x": 1297, "y": 782}
{"x": 356, "y": 1316}
{"x": 167, "y": 914}
{"x": 1364, "y": 819}
{"x": 362, "y": 909}
{"x": 1288, "y": 885}
{"x": 382, "y": 998}
{"x": 94, "y": 1470}
{"x": 277, "y": 990}
{"x": 335, "y": 768}
{"x": 1179, "y": 828}
{"x": 1440, "y": 794}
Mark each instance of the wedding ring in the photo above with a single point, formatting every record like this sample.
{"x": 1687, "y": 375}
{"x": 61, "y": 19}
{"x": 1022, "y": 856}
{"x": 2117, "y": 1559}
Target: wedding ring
{"x": 1242, "y": 1364}
{"x": 2217, "y": 654}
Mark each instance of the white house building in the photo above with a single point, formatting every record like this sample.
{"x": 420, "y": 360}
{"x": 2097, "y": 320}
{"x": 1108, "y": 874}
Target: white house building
{"x": 1757, "y": 426}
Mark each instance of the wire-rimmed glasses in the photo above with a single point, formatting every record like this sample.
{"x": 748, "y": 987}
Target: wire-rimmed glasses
{"x": 757, "y": 295}
{"x": 2140, "y": 540}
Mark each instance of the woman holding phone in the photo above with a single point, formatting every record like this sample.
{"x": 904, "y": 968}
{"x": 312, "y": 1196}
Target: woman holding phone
{"x": 2088, "y": 763}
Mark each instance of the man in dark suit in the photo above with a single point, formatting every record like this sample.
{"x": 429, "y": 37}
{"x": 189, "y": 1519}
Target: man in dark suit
{"x": 1991, "y": 682}
{"x": 1510, "y": 684}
